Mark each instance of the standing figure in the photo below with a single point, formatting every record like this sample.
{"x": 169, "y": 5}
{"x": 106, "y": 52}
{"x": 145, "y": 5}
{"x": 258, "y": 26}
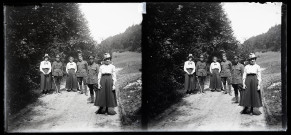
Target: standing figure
{"x": 201, "y": 72}
{"x": 251, "y": 84}
{"x": 215, "y": 80}
{"x": 57, "y": 71}
{"x": 106, "y": 96}
{"x": 71, "y": 81}
{"x": 45, "y": 77}
{"x": 226, "y": 67}
{"x": 92, "y": 78}
{"x": 189, "y": 68}
{"x": 237, "y": 74}
{"x": 82, "y": 69}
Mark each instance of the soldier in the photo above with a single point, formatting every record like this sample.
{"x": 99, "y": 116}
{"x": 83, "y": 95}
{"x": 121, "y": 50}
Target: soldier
{"x": 71, "y": 80}
{"x": 226, "y": 67}
{"x": 82, "y": 69}
{"x": 189, "y": 68}
{"x": 45, "y": 68}
{"x": 201, "y": 72}
{"x": 57, "y": 71}
{"x": 106, "y": 95}
{"x": 92, "y": 78}
{"x": 215, "y": 80}
{"x": 237, "y": 73}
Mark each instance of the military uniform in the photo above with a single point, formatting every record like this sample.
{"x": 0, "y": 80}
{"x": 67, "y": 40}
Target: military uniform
{"x": 92, "y": 78}
{"x": 237, "y": 73}
{"x": 225, "y": 74}
{"x": 57, "y": 72}
{"x": 201, "y": 72}
{"x": 82, "y": 67}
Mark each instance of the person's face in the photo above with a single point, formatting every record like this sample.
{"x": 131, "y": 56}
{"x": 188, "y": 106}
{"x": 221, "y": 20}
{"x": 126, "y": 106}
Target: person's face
{"x": 215, "y": 59}
{"x": 252, "y": 61}
{"x": 71, "y": 59}
{"x": 224, "y": 58}
{"x": 91, "y": 60}
{"x": 46, "y": 58}
{"x": 235, "y": 60}
{"x": 190, "y": 59}
{"x": 201, "y": 58}
{"x": 80, "y": 58}
{"x": 57, "y": 59}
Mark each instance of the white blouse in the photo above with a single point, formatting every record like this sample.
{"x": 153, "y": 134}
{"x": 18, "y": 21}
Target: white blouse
{"x": 189, "y": 64}
{"x": 71, "y": 65}
{"x": 215, "y": 65}
{"x": 107, "y": 69}
{"x": 252, "y": 69}
{"x": 45, "y": 64}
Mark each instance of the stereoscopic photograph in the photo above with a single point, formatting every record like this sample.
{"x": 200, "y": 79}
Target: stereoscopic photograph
{"x": 145, "y": 67}
{"x": 73, "y": 67}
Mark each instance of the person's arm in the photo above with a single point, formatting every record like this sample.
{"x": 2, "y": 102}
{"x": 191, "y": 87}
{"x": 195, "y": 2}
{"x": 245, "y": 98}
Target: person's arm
{"x": 50, "y": 68}
{"x": 99, "y": 77}
{"x": 114, "y": 77}
{"x": 230, "y": 66}
{"x": 244, "y": 78}
{"x": 185, "y": 68}
{"x": 86, "y": 67}
{"x": 67, "y": 68}
{"x": 40, "y": 67}
{"x": 210, "y": 68}
{"x": 75, "y": 67}
{"x": 259, "y": 77}
{"x": 194, "y": 67}
{"x": 219, "y": 67}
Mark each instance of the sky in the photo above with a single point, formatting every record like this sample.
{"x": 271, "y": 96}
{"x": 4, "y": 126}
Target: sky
{"x": 109, "y": 19}
{"x": 251, "y": 19}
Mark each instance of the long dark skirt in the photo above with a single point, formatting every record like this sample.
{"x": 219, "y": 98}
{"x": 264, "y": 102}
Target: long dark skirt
{"x": 251, "y": 97}
{"x": 45, "y": 82}
{"x": 71, "y": 81}
{"x": 215, "y": 80}
{"x": 105, "y": 97}
{"x": 189, "y": 81}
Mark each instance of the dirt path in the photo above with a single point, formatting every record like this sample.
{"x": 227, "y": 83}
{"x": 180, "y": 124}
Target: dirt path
{"x": 207, "y": 112}
{"x": 68, "y": 111}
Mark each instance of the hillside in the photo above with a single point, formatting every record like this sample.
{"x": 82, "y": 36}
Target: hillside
{"x": 269, "y": 41}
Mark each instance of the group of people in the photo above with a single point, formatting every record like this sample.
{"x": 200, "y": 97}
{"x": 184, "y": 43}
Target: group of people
{"x": 245, "y": 80}
{"x": 100, "y": 80}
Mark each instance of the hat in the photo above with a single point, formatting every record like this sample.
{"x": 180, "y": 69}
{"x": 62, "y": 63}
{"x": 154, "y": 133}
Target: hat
{"x": 107, "y": 56}
{"x": 201, "y": 56}
{"x": 46, "y": 56}
{"x": 91, "y": 57}
{"x": 190, "y": 56}
{"x": 235, "y": 57}
{"x": 57, "y": 56}
{"x": 252, "y": 56}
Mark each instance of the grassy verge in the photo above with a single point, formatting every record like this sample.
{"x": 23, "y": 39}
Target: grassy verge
{"x": 129, "y": 83}
{"x": 271, "y": 80}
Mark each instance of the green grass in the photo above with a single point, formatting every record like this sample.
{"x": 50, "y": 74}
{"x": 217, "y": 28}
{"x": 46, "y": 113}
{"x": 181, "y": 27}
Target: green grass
{"x": 271, "y": 61}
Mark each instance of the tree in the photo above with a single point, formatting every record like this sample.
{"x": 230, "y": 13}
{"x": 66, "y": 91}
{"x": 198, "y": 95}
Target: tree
{"x": 32, "y": 31}
{"x": 174, "y": 30}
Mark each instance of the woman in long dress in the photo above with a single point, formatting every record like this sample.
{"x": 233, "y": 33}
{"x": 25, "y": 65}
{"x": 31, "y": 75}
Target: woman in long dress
{"x": 189, "y": 68}
{"x": 45, "y": 77}
{"x": 106, "y": 96}
{"x": 71, "y": 81}
{"x": 215, "y": 79}
{"x": 251, "y": 96}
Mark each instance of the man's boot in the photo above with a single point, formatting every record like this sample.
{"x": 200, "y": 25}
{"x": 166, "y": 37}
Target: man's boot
{"x": 86, "y": 92}
{"x": 225, "y": 90}
{"x": 229, "y": 90}
{"x": 92, "y": 98}
{"x": 236, "y": 98}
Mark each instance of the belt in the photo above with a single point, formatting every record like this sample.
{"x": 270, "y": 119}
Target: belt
{"x": 251, "y": 74}
{"x": 106, "y": 74}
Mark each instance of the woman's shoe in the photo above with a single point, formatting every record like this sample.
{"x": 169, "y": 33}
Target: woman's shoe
{"x": 245, "y": 111}
{"x": 110, "y": 111}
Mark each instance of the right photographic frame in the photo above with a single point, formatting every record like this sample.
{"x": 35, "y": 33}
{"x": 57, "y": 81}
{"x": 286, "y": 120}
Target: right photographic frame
{"x": 214, "y": 66}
